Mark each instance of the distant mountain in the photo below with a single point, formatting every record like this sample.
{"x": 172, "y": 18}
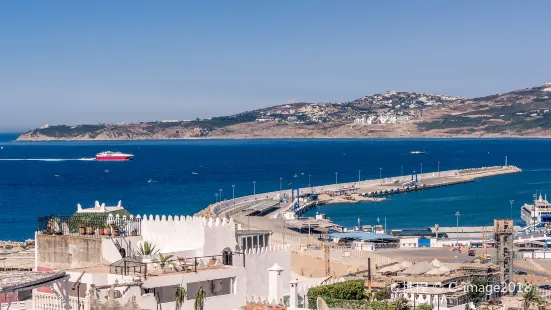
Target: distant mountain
{"x": 522, "y": 113}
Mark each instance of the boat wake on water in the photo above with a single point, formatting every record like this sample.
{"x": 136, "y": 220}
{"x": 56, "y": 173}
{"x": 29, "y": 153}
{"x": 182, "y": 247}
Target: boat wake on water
{"x": 46, "y": 159}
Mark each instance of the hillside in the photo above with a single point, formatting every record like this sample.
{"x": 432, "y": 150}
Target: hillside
{"x": 391, "y": 114}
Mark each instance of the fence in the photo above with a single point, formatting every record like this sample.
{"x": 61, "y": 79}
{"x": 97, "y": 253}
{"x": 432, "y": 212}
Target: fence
{"x": 46, "y": 301}
{"x": 90, "y": 225}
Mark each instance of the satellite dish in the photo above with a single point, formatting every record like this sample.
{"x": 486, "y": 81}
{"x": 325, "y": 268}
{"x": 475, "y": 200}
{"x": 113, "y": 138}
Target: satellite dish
{"x": 321, "y": 305}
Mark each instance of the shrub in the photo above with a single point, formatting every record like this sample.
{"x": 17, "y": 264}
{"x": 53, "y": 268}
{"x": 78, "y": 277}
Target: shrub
{"x": 339, "y": 294}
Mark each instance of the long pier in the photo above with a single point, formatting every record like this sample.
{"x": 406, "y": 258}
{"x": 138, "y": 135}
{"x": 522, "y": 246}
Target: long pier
{"x": 373, "y": 188}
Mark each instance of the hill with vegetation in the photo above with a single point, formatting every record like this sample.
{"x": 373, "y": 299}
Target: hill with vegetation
{"x": 520, "y": 113}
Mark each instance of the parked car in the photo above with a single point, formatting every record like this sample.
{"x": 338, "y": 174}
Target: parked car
{"x": 520, "y": 272}
{"x": 545, "y": 287}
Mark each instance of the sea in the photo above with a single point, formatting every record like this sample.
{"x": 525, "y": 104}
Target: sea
{"x": 181, "y": 177}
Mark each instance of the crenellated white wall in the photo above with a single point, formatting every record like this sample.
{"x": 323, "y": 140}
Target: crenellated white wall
{"x": 185, "y": 233}
{"x": 257, "y": 263}
{"x": 219, "y": 234}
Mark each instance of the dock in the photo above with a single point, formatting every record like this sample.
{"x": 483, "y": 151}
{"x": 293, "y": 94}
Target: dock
{"x": 355, "y": 191}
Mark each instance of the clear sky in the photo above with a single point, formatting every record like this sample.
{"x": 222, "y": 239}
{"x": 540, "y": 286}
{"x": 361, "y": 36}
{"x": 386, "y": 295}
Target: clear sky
{"x": 71, "y": 62}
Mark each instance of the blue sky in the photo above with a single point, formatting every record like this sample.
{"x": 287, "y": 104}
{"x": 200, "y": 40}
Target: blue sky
{"x": 71, "y": 62}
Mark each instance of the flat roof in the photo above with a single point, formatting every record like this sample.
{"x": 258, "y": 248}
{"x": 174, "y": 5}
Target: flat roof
{"x": 14, "y": 280}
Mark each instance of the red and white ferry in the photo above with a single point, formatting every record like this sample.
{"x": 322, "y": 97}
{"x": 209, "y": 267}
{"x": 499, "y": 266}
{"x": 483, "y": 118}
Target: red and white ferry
{"x": 108, "y": 155}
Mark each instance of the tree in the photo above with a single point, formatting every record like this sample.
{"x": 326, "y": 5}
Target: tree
{"x": 163, "y": 261}
{"x": 476, "y": 290}
{"x": 530, "y": 295}
{"x": 401, "y": 303}
{"x": 382, "y": 294}
{"x": 200, "y": 299}
{"x": 147, "y": 248}
{"x": 180, "y": 297}
{"x": 424, "y": 307}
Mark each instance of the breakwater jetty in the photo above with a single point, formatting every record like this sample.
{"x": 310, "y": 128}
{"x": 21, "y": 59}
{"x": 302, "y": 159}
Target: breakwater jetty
{"x": 363, "y": 190}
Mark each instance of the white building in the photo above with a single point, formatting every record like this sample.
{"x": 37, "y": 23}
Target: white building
{"x": 204, "y": 253}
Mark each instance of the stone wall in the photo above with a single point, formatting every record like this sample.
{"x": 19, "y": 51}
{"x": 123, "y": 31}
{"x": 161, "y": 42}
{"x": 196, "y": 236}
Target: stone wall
{"x": 67, "y": 252}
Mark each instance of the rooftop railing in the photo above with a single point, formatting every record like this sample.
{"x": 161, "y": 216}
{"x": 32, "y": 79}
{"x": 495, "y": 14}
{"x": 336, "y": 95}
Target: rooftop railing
{"x": 89, "y": 225}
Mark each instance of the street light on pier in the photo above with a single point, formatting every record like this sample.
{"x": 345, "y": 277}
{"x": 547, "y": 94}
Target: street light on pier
{"x": 421, "y": 169}
{"x": 220, "y": 194}
{"x": 359, "y": 176}
{"x": 438, "y": 169}
{"x": 310, "y": 181}
{"x": 216, "y": 195}
{"x": 381, "y": 175}
{"x": 401, "y": 171}
{"x": 511, "y": 201}
{"x": 254, "y": 187}
{"x": 233, "y": 191}
{"x": 457, "y": 236}
{"x": 336, "y": 178}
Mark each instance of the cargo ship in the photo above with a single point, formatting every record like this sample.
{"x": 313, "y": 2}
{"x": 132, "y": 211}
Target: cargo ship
{"x": 108, "y": 155}
{"x": 417, "y": 152}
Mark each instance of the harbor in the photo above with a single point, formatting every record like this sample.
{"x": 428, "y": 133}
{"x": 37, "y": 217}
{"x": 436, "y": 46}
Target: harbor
{"x": 294, "y": 203}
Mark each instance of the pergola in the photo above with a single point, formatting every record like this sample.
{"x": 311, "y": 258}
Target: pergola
{"x": 16, "y": 281}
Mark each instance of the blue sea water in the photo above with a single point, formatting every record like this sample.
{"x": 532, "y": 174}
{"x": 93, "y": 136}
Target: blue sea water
{"x": 53, "y": 182}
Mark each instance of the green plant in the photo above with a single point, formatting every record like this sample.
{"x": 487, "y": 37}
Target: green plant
{"x": 337, "y": 294}
{"x": 200, "y": 299}
{"x": 531, "y": 296}
{"x": 180, "y": 297}
{"x": 401, "y": 303}
{"x": 163, "y": 260}
{"x": 382, "y": 294}
{"x": 424, "y": 307}
{"x": 147, "y": 248}
{"x": 476, "y": 290}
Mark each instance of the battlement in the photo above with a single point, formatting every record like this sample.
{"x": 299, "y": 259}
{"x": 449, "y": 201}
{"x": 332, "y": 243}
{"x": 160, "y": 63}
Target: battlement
{"x": 207, "y": 222}
{"x": 263, "y": 250}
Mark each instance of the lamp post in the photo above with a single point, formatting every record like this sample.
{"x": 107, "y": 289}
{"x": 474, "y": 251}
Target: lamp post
{"x": 381, "y": 175}
{"x": 336, "y": 178}
{"x": 220, "y": 195}
{"x": 438, "y": 169}
{"x": 421, "y": 170}
{"x": 233, "y": 191}
{"x": 402, "y": 171}
{"x": 254, "y": 187}
{"x": 511, "y": 201}
{"x": 359, "y": 177}
{"x": 216, "y": 195}
{"x": 457, "y": 236}
{"x": 310, "y": 182}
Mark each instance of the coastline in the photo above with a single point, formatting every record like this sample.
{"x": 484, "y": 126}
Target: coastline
{"x": 215, "y": 138}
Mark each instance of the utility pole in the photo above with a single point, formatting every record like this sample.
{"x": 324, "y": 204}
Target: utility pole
{"x": 326, "y": 255}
